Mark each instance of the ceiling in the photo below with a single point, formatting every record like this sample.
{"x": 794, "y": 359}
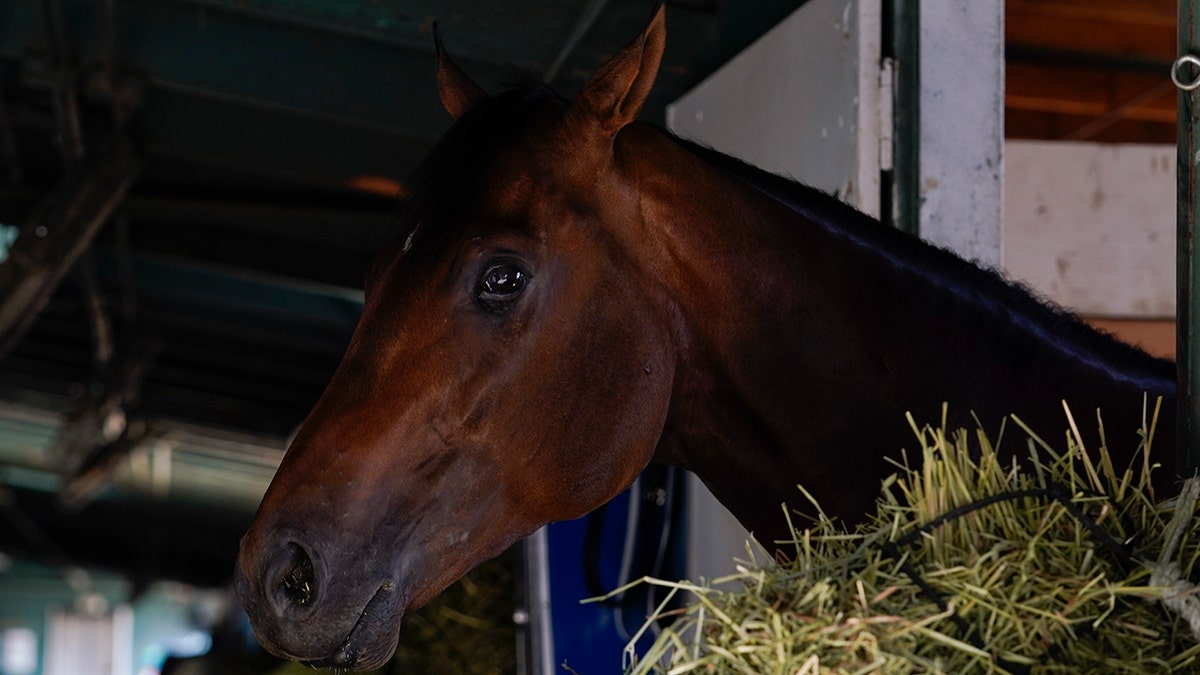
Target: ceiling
{"x": 271, "y": 140}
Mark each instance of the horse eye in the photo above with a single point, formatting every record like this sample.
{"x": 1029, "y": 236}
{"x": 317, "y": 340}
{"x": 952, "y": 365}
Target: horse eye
{"x": 502, "y": 282}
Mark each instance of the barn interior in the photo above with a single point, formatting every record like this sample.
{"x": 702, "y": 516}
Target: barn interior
{"x": 191, "y": 191}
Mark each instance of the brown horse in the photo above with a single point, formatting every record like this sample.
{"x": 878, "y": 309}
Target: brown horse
{"x": 576, "y": 294}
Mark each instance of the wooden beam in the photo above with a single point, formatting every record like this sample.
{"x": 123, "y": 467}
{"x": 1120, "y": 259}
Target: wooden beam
{"x": 1147, "y": 111}
{"x": 1079, "y": 91}
{"x": 59, "y": 231}
{"x": 1131, "y": 28}
{"x": 1053, "y": 126}
{"x": 1079, "y": 102}
{"x": 1144, "y": 12}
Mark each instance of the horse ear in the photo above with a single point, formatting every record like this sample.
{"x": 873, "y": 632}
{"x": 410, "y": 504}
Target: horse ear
{"x": 456, "y": 89}
{"x": 615, "y": 94}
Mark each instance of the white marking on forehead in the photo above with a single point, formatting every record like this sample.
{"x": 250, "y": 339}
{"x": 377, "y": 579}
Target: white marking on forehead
{"x": 409, "y": 241}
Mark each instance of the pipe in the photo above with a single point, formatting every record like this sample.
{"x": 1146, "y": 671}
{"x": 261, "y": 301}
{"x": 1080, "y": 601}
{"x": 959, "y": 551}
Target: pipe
{"x": 1187, "y": 263}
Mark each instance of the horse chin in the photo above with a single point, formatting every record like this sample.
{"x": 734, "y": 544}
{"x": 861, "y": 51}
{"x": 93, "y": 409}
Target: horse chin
{"x": 373, "y": 639}
{"x": 356, "y": 655}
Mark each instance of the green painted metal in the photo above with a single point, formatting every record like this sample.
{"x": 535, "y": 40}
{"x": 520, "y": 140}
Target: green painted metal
{"x": 902, "y": 31}
{"x": 306, "y": 68}
{"x": 1187, "y": 262}
{"x": 322, "y": 91}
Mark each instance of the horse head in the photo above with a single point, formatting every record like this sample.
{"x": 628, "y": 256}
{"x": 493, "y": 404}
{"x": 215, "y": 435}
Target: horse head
{"x": 512, "y": 366}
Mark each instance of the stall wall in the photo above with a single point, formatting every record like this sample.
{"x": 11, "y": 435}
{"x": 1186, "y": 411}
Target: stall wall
{"x": 1092, "y": 227}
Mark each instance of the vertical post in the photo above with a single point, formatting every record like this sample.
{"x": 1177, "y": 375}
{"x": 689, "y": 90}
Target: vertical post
{"x": 902, "y": 42}
{"x": 960, "y": 179}
{"x": 1187, "y": 264}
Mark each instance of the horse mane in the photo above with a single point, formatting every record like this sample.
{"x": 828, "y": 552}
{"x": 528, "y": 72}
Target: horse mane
{"x": 444, "y": 183}
{"x": 943, "y": 273}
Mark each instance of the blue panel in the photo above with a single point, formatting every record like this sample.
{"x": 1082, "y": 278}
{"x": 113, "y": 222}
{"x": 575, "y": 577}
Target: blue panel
{"x": 638, "y": 533}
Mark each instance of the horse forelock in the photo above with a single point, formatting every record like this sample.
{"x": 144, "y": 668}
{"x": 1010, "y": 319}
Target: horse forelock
{"x": 446, "y": 183}
{"x": 943, "y": 275}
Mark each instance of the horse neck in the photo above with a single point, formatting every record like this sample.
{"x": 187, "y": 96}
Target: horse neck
{"x": 801, "y": 349}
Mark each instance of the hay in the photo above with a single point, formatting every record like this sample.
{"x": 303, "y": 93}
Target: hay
{"x": 1063, "y": 564}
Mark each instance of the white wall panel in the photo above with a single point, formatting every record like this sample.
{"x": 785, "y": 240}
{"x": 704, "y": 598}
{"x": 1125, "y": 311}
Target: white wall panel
{"x": 1092, "y": 226}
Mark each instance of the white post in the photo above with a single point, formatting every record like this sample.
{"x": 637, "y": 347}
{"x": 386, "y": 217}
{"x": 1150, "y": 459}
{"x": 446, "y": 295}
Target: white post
{"x": 962, "y": 127}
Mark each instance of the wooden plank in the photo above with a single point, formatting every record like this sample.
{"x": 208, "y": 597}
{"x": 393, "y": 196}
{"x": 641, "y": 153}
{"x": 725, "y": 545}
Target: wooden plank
{"x": 1038, "y": 125}
{"x": 1078, "y": 70}
{"x": 1056, "y": 103}
{"x": 1149, "y": 12}
{"x": 1130, "y": 28}
{"x": 1149, "y": 112}
{"x": 1154, "y": 336}
{"x": 1077, "y": 91}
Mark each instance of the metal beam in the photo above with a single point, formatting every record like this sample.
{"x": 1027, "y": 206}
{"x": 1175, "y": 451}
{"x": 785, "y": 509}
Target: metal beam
{"x": 59, "y": 231}
{"x": 1187, "y": 263}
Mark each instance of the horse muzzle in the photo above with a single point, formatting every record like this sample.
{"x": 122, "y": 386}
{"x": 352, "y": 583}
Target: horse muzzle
{"x": 302, "y": 612}
{"x": 373, "y": 638}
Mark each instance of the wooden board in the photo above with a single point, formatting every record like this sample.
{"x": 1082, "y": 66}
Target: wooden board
{"x": 1156, "y": 337}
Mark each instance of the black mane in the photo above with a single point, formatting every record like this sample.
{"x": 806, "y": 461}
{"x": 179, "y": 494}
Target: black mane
{"x": 943, "y": 272}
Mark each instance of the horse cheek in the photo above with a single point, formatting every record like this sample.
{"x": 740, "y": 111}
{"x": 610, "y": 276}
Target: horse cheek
{"x": 619, "y": 403}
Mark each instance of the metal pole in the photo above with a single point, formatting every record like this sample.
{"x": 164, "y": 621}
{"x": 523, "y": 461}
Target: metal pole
{"x": 902, "y": 42}
{"x": 1186, "y": 73}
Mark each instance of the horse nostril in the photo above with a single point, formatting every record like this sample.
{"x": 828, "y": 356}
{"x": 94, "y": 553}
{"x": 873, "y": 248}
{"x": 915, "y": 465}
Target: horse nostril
{"x": 295, "y": 584}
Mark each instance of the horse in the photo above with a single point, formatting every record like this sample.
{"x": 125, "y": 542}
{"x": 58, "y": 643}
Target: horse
{"x": 573, "y": 294}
